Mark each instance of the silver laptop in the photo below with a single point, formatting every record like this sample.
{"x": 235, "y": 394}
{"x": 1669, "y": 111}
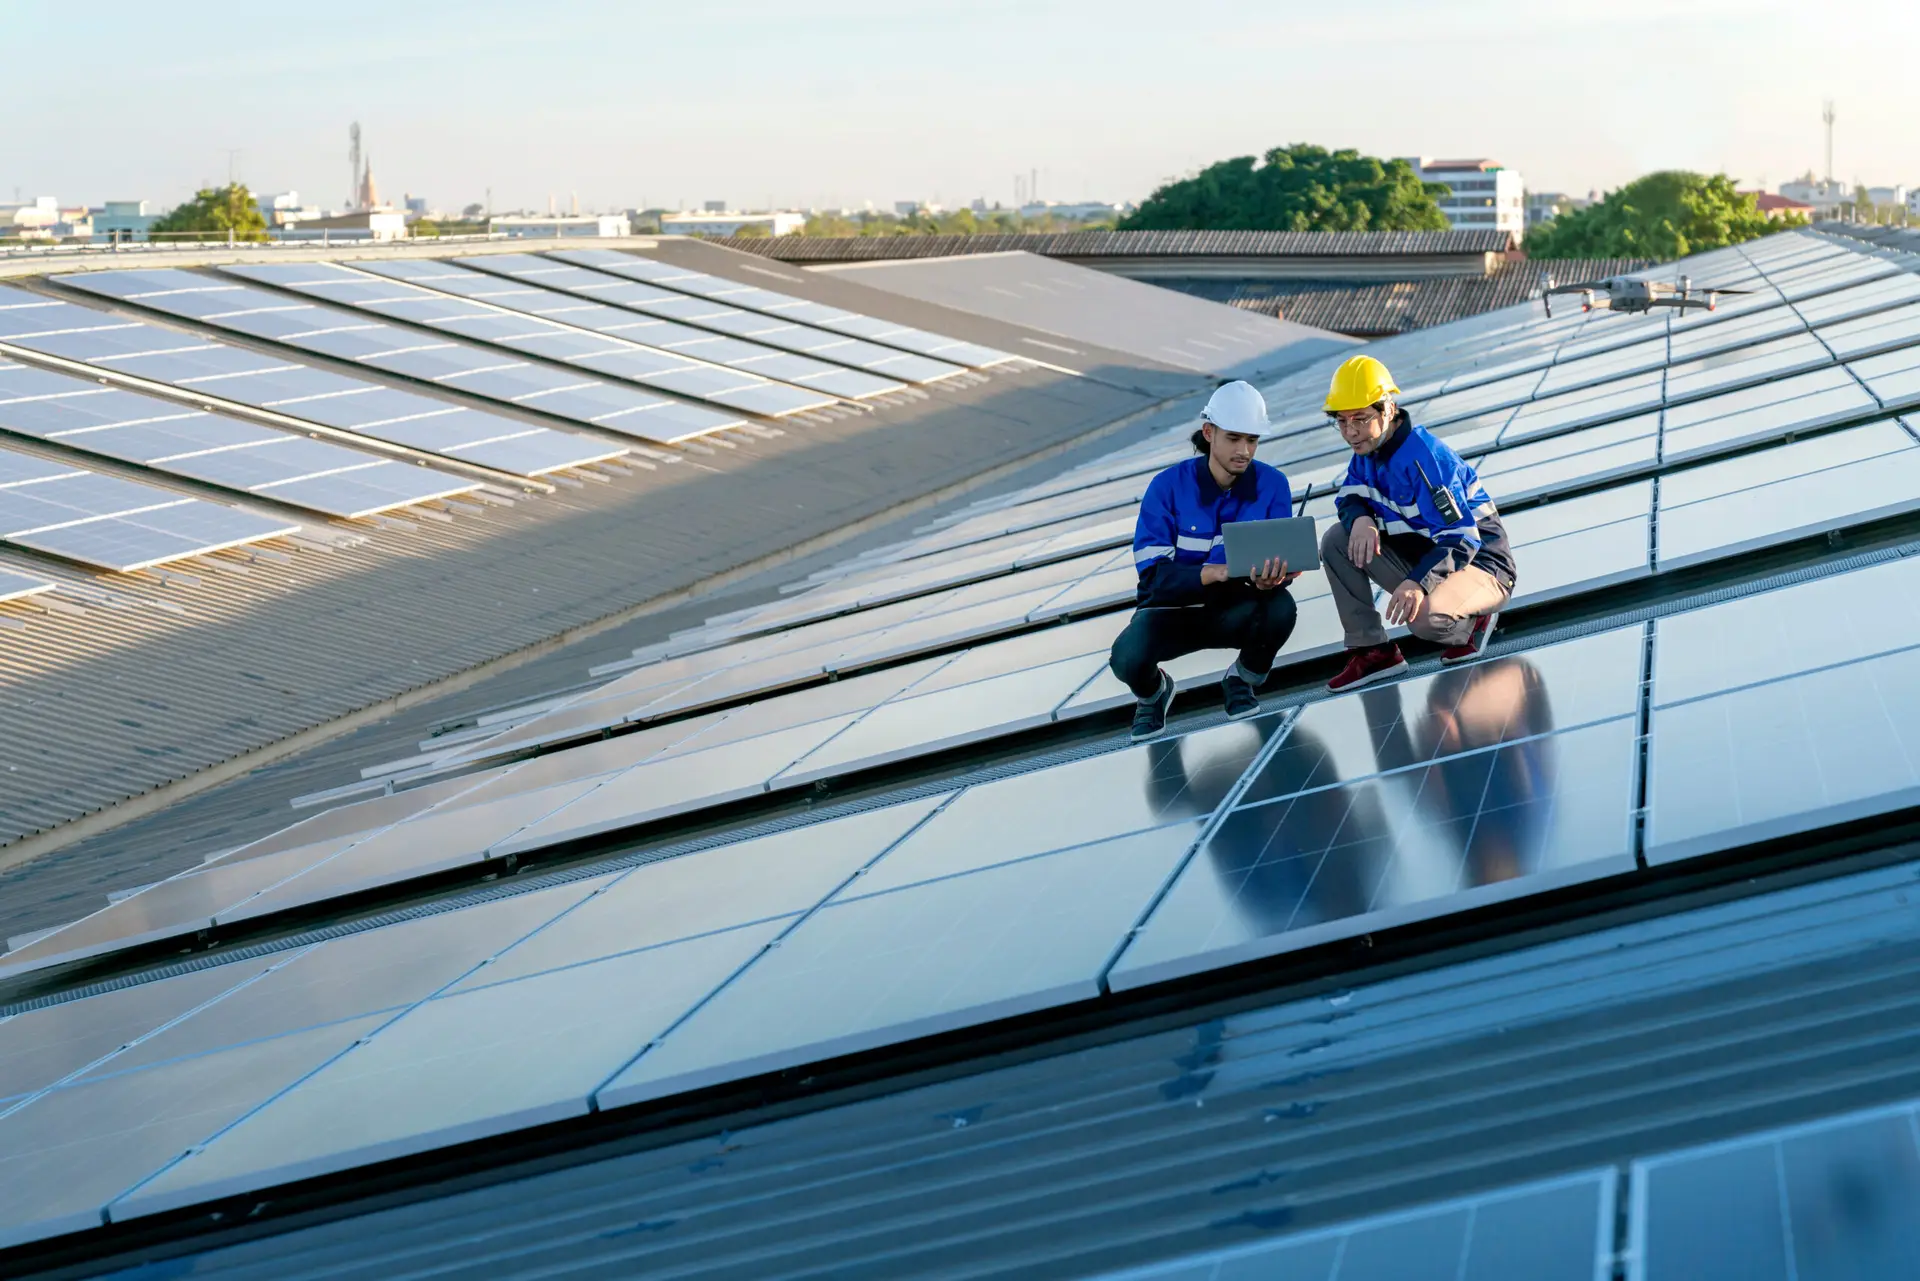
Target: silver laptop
{"x": 1251, "y": 543}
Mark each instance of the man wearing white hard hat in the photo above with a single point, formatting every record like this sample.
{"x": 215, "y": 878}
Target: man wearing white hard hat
{"x": 1186, "y": 600}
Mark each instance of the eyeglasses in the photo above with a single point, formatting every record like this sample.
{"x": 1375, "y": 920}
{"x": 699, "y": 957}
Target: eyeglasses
{"x": 1365, "y": 419}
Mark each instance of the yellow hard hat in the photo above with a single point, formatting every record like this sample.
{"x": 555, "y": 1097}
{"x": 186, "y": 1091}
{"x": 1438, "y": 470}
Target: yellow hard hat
{"x": 1359, "y": 382}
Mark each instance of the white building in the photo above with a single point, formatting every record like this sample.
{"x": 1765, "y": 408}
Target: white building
{"x": 727, "y": 224}
{"x": 34, "y": 221}
{"x": 1825, "y": 197}
{"x": 563, "y": 226}
{"x": 1913, "y": 202}
{"x": 1545, "y": 206}
{"x": 1482, "y": 195}
{"x": 1078, "y": 211}
{"x": 1894, "y": 195}
{"x": 283, "y": 209}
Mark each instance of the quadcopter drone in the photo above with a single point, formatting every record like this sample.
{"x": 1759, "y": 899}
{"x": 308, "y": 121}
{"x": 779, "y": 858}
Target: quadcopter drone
{"x": 1633, "y": 296}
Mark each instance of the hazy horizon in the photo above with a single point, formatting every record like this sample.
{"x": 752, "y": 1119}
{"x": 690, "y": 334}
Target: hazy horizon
{"x": 843, "y": 103}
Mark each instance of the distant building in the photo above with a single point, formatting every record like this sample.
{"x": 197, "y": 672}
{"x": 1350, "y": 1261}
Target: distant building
{"x": 1913, "y": 203}
{"x": 122, "y": 221}
{"x": 416, "y": 206}
{"x": 908, "y": 208}
{"x": 1482, "y": 195}
{"x": 564, "y": 226}
{"x": 1894, "y": 195}
{"x": 1081, "y": 211}
{"x": 728, "y": 224}
{"x": 284, "y": 209}
{"x": 1545, "y": 206}
{"x": 1825, "y": 198}
{"x": 1777, "y": 207}
{"x": 363, "y": 224}
{"x": 34, "y": 221}
{"x": 714, "y": 206}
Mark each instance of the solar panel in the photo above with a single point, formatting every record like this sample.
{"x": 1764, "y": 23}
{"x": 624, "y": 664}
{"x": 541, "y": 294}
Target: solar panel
{"x": 1814, "y": 487}
{"x": 753, "y": 298}
{"x": 915, "y": 961}
{"x": 484, "y": 322}
{"x": 1818, "y": 732}
{"x": 1412, "y": 801}
{"x": 718, "y": 316}
{"x": 1828, "y": 1199}
{"x": 667, "y": 335}
{"x": 526, "y": 1052}
{"x": 212, "y": 448}
{"x": 352, "y": 404}
{"x": 1557, "y": 1230}
{"x": 309, "y": 327}
{"x": 71, "y": 1150}
{"x": 111, "y": 523}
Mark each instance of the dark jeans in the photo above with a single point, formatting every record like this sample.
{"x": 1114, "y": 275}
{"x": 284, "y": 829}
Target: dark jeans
{"x": 1254, "y": 622}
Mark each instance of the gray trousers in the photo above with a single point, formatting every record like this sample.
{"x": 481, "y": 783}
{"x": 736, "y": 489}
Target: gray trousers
{"x": 1451, "y": 608}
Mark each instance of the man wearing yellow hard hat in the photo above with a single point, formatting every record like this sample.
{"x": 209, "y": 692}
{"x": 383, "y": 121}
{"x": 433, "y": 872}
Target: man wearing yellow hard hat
{"x": 1414, "y": 519}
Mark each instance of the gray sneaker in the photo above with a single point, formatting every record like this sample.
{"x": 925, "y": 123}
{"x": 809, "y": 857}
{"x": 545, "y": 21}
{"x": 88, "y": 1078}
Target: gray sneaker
{"x": 1150, "y": 714}
{"x": 1241, "y": 700}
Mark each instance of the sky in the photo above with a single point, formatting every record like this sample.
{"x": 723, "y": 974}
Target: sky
{"x": 828, "y": 103}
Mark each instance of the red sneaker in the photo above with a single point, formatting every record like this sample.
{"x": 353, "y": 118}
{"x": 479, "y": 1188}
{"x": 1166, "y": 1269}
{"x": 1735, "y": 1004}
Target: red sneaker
{"x": 1365, "y": 666}
{"x": 1476, "y": 642}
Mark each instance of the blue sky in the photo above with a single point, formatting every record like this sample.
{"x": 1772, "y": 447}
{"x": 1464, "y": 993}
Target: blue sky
{"x": 836, "y": 101}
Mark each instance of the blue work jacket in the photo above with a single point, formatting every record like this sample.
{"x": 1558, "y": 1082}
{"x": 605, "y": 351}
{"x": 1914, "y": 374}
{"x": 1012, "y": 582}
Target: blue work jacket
{"x": 1395, "y": 485}
{"x": 1179, "y": 526}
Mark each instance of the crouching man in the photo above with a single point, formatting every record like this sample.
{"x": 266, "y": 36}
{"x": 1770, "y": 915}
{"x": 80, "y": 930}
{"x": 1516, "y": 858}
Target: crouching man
{"x": 1186, "y": 600}
{"x": 1414, "y": 519}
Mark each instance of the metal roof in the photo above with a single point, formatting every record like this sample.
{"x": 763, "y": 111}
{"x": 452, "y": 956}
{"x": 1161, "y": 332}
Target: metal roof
{"x": 1699, "y": 928}
{"x": 1374, "y": 309}
{"x": 1115, "y": 244}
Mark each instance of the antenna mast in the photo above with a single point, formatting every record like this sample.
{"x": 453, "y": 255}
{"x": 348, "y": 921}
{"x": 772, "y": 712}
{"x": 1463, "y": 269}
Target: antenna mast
{"x": 353, "y": 159}
{"x": 1826, "y": 115}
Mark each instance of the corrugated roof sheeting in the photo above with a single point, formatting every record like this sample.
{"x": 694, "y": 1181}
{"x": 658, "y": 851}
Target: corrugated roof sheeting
{"x": 1113, "y": 244}
{"x": 1230, "y": 1126}
{"x": 100, "y": 708}
{"x": 1394, "y": 307}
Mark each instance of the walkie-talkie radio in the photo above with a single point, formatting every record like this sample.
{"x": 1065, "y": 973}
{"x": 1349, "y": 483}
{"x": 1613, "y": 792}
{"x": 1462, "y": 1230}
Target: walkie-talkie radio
{"x": 1443, "y": 500}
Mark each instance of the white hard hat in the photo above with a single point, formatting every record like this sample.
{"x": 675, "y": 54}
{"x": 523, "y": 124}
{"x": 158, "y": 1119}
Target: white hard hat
{"x": 1237, "y": 407}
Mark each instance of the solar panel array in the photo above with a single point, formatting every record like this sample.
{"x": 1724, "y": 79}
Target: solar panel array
{"x": 716, "y": 314}
{"x": 615, "y": 322}
{"x": 784, "y": 306}
{"x": 547, "y": 339}
{"x": 213, "y": 448}
{"x": 275, "y": 318}
{"x": 1567, "y": 759}
{"x": 194, "y": 363}
{"x": 114, "y": 524}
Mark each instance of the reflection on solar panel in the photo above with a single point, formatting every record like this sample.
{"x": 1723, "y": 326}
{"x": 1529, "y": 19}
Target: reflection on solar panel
{"x": 547, "y": 339}
{"x": 15, "y": 585}
{"x": 208, "y": 447}
{"x": 785, "y": 306}
{"x": 665, "y": 335}
{"x": 114, "y": 524}
{"x": 210, "y": 368}
{"x": 716, "y": 315}
{"x": 275, "y": 318}
{"x": 1567, "y": 761}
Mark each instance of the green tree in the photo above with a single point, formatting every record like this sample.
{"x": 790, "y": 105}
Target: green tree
{"x": 212, "y": 214}
{"x": 1664, "y": 215}
{"x": 1297, "y": 188}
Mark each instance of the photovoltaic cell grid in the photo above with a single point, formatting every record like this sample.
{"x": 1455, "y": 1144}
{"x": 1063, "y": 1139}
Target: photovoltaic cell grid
{"x": 1830, "y": 1199}
{"x": 211, "y": 448}
{"x": 1356, "y": 814}
{"x": 547, "y": 339}
{"x": 114, "y": 524}
{"x": 783, "y": 306}
{"x": 206, "y": 367}
{"x": 716, "y": 315}
{"x": 530, "y": 299}
{"x": 271, "y": 317}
